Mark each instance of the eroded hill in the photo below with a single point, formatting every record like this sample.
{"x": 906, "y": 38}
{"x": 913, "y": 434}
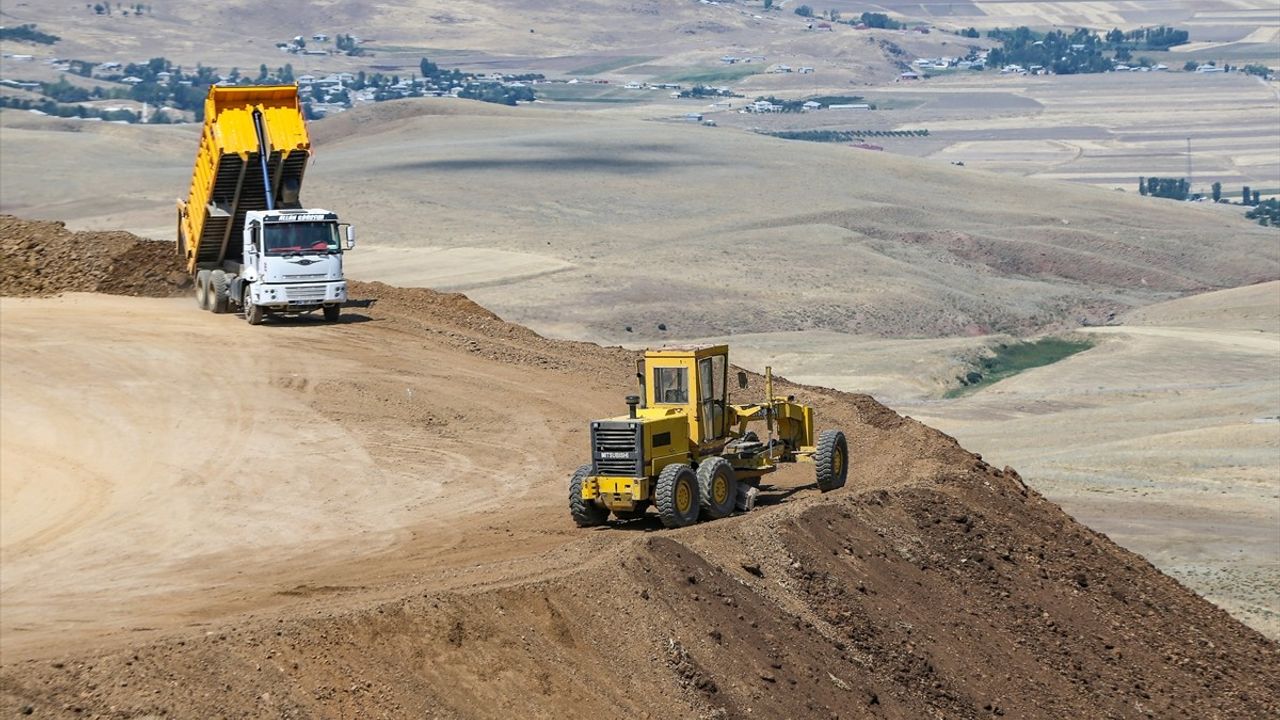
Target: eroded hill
{"x": 435, "y": 572}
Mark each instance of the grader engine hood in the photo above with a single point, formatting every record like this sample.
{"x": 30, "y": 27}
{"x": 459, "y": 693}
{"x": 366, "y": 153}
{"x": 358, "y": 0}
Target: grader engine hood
{"x": 639, "y": 446}
{"x": 617, "y": 448}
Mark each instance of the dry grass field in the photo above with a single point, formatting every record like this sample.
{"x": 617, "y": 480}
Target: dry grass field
{"x": 596, "y": 217}
{"x": 872, "y": 278}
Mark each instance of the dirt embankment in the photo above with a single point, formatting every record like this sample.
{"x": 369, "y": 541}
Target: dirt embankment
{"x": 932, "y": 586}
{"x": 44, "y": 258}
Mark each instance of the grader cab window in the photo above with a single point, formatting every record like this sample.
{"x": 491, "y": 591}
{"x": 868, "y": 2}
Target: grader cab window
{"x": 671, "y": 385}
{"x": 713, "y": 372}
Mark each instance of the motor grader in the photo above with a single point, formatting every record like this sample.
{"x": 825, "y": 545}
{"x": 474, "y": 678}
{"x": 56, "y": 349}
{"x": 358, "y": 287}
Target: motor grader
{"x": 685, "y": 451}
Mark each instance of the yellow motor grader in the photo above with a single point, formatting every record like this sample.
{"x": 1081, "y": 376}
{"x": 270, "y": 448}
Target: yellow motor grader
{"x": 685, "y": 451}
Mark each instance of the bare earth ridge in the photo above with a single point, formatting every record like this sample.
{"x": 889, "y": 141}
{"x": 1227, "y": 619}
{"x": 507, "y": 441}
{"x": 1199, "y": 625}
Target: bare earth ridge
{"x": 417, "y": 558}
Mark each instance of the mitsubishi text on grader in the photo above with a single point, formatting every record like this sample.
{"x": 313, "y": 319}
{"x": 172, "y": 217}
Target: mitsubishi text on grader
{"x": 684, "y": 450}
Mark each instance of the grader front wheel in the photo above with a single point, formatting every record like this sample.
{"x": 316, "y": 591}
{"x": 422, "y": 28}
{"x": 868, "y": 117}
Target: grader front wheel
{"x": 831, "y": 460}
{"x": 676, "y": 496}
{"x": 585, "y": 513}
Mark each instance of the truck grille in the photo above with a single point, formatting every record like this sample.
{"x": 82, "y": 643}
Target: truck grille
{"x": 616, "y": 449}
{"x": 304, "y": 292}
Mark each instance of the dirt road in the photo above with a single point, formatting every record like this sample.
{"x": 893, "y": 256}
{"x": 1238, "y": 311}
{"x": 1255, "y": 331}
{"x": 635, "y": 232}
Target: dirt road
{"x": 149, "y": 449}
{"x": 368, "y": 519}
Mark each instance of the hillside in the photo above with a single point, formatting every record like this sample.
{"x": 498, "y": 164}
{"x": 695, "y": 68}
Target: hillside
{"x": 659, "y": 39}
{"x": 401, "y": 545}
{"x": 582, "y": 225}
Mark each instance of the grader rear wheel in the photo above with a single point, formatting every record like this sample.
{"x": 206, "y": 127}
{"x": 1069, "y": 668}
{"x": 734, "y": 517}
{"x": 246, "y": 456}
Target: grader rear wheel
{"x": 585, "y": 513}
{"x": 676, "y": 496}
{"x": 831, "y": 460}
{"x": 718, "y": 486}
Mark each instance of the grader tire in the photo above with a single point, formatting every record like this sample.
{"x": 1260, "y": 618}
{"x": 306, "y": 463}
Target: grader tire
{"x": 718, "y": 487}
{"x": 585, "y": 513}
{"x": 676, "y": 496}
{"x": 202, "y": 289}
{"x": 831, "y": 460}
{"x": 218, "y": 285}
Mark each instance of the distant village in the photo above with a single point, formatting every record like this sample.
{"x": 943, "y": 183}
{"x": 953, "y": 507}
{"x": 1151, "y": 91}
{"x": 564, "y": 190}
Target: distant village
{"x": 156, "y": 91}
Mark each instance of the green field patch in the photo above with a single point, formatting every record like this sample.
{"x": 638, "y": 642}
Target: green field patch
{"x": 729, "y": 73}
{"x": 836, "y": 99}
{"x": 414, "y": 49}
{"x": 589, "y": 92}
{"x": 842, "y": 136}
{"x": 612, "y": 64}
{"x": 1009, "y": 359}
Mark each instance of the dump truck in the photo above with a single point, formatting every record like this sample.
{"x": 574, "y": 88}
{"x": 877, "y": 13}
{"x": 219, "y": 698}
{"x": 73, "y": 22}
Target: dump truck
{"x": 242, "y": 231}
{"x": 688, "y": 453}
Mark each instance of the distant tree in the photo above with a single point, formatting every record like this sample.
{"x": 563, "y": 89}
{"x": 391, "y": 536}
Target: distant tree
{"x": 970, "y": 33}
{"x": 100, "y": 9}
{"x": 263, "y": 72}
{"x": 1115, "y": 37}
{"x": 427, "y": 68}
{"x": 1266, "y": 213}
{"x": 1190, "y": 66}
{"x": 1122, "y": 53}
{"x": 833, "y": 15}
{"x": 1142, "y": 186}
{"x": 1245, "y": 196}
{"x": 1217, "y": 191}
{"x": 804, "y": 11}
{"x": 768, "y": 4}
{"x": 1256, "y": 197}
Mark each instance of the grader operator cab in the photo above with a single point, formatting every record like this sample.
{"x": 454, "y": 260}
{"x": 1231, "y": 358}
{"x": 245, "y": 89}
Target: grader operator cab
{"x": 683, "y": 449}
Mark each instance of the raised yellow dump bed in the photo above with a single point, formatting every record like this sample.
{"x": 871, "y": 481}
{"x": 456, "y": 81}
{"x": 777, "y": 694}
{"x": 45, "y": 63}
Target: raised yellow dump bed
{"x": 228, "y": 181}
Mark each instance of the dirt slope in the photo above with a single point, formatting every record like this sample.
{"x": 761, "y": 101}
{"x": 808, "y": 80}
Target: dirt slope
{"x": 435, "y": 572}
{"x": 44, "y": 258}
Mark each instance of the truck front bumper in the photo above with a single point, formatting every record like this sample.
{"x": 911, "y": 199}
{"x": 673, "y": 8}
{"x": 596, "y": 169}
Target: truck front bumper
{"x": 300, "y": 297}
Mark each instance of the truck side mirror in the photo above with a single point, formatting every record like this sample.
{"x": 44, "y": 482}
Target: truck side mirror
{"x": 742, "y": 380}
{"x": 351, "y": 237}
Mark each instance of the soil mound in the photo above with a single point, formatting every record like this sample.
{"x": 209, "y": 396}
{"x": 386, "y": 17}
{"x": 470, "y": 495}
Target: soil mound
{"x": 932, "y": 586}
{"x": 44, "y": 258}
{"x": 971, "y": 597}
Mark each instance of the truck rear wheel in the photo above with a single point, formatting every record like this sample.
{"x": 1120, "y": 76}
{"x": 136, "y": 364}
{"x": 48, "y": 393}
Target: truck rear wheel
{"x": 218, "y": 284}
{"x": 831, "y": 460}
{"x": 252, "y": 313}
{"x": 585, "y": 512}
{"x": 331, "y": 313}
{"x": 676, "y": 496}
{"x": 202, "y": 289}
{"x": 718, "y": 486}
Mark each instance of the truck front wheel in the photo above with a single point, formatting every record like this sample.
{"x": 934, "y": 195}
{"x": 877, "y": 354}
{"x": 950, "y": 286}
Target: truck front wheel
{"x": 331, "y": 313}
{"x": 252, "y": 313}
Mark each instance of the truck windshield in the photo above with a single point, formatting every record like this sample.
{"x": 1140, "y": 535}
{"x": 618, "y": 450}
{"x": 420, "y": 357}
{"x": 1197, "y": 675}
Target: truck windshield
{"x": 301, "y": 237}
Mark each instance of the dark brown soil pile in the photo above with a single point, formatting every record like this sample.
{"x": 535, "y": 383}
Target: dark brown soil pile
{"x": 938, "y": 587}
{"x": 933, "y": 586}
{"x": 44, "y": 258}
